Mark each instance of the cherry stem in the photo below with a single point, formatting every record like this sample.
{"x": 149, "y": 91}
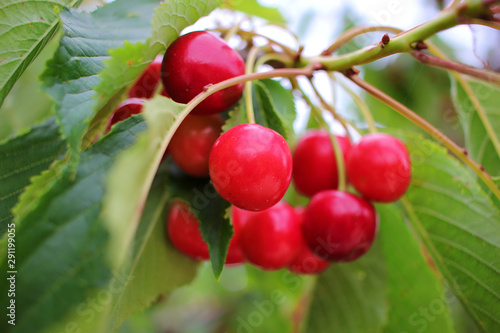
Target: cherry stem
{"x": 249, "y": 68}
{"x": 461, "y": 153}
{"x": 491, "y": 24}
{"x": 481, "y": 74}
{"x": 337, "y": 150}
{"x": 365, "y": 110}
{"x": 354, "y": 32}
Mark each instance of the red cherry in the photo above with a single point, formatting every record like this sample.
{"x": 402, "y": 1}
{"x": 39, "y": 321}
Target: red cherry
{"x": 251, "y": 166}
{"x": 378, "y": 166}
{"x": 306, "y": 262}
{"x": 314, "y": 163}
{"x": 271, "y": 238}
{"x": 191, "y": 144}
{"x": 234, "y": 253}
{"x": 184, "y": 231}
{"x": 148, "y": 82}
{"x": 196, "y": 60}
{"x": 124, "y": 111}
{"x": 339, "y": 226}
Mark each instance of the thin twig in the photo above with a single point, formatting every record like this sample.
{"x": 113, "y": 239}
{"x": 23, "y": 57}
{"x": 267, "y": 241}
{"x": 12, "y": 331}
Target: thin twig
{"x": 430, "y": 129}
{"x": 481, "y": 74}
{"x": 491, "y": 24}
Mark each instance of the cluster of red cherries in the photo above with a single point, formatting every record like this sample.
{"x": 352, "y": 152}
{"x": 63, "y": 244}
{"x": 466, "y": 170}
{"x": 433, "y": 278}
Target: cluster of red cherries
{"x": 252, "y": 166}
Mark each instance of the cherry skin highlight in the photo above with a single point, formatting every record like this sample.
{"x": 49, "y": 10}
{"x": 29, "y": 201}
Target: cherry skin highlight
{"x": 306, "y": 262}
{"x": 148, "y": 82}
{"x": 251, "y": 166}
{"x": 196, "y": 60}
{"x": 314, "y": 164}
{"x": 124, "y": 111}
{"x": 339, "y": 226}
{"x": 191, "y": 144}
{"x": 379, "y": 167}
{"x": 183, "y": 229}
{"x": 271, "y": 238}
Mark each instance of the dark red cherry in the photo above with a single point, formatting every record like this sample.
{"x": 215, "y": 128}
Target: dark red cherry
{"x": 196, "y": 60}
{"x": 314, "y": 163}
{"x": 183, "y": 229}
{"x": 339, "y": 226}
{"x": 191, "y": 144}
{"x": 124, "y": 111}
{"x": 306, "y": 262}
{"x": 271, "y": 238}
{"x": 251, "y": 166}
{"x": 379, "y": 167}
{"x": 147, "y": 83}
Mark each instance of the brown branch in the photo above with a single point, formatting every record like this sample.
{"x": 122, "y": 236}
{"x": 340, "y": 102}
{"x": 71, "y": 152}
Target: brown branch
{"x": 481, "y": 74}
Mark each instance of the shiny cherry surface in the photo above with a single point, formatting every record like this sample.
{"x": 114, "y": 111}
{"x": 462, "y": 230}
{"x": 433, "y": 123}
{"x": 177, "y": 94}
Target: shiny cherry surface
{"x": 251, "y": 166}
{"x": 314, "y": 163}
{"x": 306, "y": 262}
{"x": 234, "y": 253}
{"x": 196, "y": 60}
{"x": 271, "y": 238}
{"x": 183, "y": 229}
{"x": 191, "y": 144}
{"x": 147, "y": 83}
{"x": 379, "y": 167}
{"x": 339, "y": 226}
{"x": 125, "y": 110}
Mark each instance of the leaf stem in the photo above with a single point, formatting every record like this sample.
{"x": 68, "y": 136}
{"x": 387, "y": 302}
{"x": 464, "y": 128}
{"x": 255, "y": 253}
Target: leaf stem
{"x": 461, "y": 153}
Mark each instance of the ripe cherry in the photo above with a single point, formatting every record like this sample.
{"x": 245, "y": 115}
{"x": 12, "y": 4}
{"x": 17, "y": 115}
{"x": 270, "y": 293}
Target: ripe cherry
{"x": 314, "y": 163}
{"x": 306, "y": 262}
{"x": 251, "y": 166}
{"x": 339, "y": 226}
{"x": 184, "y": 231}
{"x": 196, "y": 60}
{"x": 234, "y": 253}
{"x": 378, "y": 166}
{"x": 191, "y": 144}
{"x": 124, "y": 111}
{"x": 271, "y": 238}
{"x": 148, "y": 82}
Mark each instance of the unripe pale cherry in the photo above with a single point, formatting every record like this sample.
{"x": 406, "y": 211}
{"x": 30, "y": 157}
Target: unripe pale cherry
{"x": 251, "y": 166}
{"x": 379, "y": 167}
{"x": 271, "y": 238}
{"x": 339, "y": 226}
{"x": 196, "y": 60}
{"x": 314, "y": 164}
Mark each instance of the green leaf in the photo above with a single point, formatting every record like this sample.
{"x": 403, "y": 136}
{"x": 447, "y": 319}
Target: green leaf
{"x": 237, "y": 115}
{"x": 73, "y": 73}
{"x": 27, "y": 27}
{"x": 128, "y": 62}
{"x": 210, "y": 209}
{"x": 416, "y": 298}
{"x": 61, "y": 257}
{"x": 477, "y": 141}
{"x": 460, "y": 227}
{"x": 125, "y": 200}
{"x": 23, "y": 157}
{"x": 156, "y": 267}
{"x": 276, "y": 106}
{"x": 253, "y": 7}
{"x": 350, "y": 297}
